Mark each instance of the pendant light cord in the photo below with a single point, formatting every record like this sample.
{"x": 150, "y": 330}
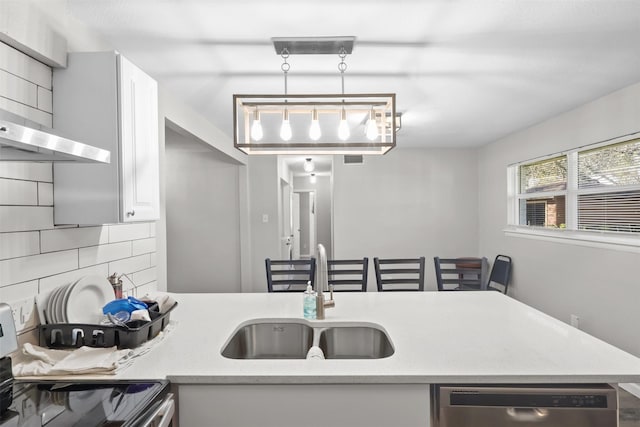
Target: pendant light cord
{"x": 342, "y": 66}
{"x": 285, "y": 67}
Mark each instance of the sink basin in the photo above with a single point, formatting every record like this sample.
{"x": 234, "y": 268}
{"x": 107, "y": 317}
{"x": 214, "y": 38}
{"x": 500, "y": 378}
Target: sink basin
{"x": 270, "y": 341}
{"x": 355, "y": 342}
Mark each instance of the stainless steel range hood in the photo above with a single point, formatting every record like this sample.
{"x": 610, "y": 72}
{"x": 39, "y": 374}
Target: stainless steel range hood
{"x": 21, "y": 139}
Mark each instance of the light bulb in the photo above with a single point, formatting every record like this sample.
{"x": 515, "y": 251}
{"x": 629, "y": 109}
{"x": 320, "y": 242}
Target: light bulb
{"x": 372, "y": 127}
{"x": 285, "y": 129}
{"x": 256, "y": 127}
{"x": 343, "y": 128}
{"x": 312, "y": 178}
{"x": 308, "y": 165}
{"x": 314, "y": 131}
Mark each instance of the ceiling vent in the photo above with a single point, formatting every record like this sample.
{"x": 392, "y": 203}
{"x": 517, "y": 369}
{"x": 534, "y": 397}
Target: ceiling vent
{"x": 353, "y": 159}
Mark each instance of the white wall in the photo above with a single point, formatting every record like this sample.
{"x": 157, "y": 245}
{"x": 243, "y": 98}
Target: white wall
{"x": 408, "y": 203}
{"x": 202, "y": 217}
{"x": 601, "y": 286}
{"x": 177, "y": 117}
{"x": 265, "y": 238}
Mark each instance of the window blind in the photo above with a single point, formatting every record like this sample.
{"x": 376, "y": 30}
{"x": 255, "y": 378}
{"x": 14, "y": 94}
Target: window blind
{"x": 615, "y": 212}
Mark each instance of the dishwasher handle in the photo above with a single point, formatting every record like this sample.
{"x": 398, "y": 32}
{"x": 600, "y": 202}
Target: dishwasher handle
{"x": 165, "y": 411}
{"x": 527, "y": 415}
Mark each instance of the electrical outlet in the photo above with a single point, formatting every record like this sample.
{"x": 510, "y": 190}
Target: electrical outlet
{"x": 24, "y": 314}
{"x": 265, "y": 218}
{"x": 575, "y": 321}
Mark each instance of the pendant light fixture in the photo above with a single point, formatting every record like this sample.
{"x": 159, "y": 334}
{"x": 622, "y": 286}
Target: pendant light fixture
{"x": 308, "y": 165}
{"x": 314, "y": 123}
{"x": 314, "y": 131}
{"x": 312, "y": 178}
{"x": 285, "y": 127}
{"x": 256, "y": 127}
{"x": 372, "y": 126}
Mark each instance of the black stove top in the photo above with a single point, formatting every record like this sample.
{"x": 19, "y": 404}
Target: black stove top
{"x": 66, "y": 404}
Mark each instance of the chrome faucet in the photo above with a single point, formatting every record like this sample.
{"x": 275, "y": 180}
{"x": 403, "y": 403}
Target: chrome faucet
{"x": 322, "y": 282}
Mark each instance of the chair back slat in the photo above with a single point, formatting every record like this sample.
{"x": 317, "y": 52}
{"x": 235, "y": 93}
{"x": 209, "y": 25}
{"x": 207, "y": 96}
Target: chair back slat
{"x": 408, "y": 277}
{"x": 290, "y": 275}
{"x": 353, "y": 277}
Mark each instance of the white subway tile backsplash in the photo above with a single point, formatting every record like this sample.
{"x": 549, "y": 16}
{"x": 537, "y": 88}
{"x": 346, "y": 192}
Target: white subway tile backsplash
{"x": 69, "y": 238}
{"x": 16, "y": 192}
{"x": 104, "y": 253}
{"x": 31, "y": 113}
{"x": 144, "y": 276}
{"x": 149, "y": 288}
{"x": 19, "y": 291}
{"x": 130, "y": 265}
{"x": 16, "y": 62}
{"x": 16, "y": 270}
{"x": 18, "y": 89}
{"x": 122, "y": 232}
{"x": 144, "y": 246}
{"x": 13, "y": 245}
{"x": 128, "y": 287}
{"x": 45, "y": 100}
{"x": 45, "y": 194}
{"x": 30, "y": 171}
{"x": 25, "y": 218}
{"x": 47, "y": 284}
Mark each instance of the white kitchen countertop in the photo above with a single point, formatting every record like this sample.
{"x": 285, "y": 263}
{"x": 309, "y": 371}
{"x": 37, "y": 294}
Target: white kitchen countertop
{"x": 439, "y": 337}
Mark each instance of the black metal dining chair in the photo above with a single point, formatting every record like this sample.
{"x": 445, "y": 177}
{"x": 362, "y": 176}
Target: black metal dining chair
{"x": 500, "y": 274}
{"x": 399, "y": 274}
{"x": 348, "y": 275}
{"x": 291, "y": 275}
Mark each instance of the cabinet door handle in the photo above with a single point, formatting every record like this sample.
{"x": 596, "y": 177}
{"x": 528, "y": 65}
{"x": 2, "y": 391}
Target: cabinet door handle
{"x": 131, "y": 213}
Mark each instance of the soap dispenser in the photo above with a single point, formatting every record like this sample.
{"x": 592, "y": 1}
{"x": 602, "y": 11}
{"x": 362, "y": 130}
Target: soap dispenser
{"x": 309, "y": 302}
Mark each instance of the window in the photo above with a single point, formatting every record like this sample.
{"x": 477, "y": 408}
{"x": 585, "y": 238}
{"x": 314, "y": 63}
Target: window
{"x": 542, "y": 193}
{"x": 590, "y": 190}
{"x": 602, "y": 173}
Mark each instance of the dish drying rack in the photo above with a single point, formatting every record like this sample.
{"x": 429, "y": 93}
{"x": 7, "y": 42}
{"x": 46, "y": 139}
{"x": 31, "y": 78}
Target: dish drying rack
{"x": 131, "y": 335}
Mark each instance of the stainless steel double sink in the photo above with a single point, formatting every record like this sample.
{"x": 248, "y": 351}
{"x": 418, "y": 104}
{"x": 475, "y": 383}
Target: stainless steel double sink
{"x": 292, "y": 339}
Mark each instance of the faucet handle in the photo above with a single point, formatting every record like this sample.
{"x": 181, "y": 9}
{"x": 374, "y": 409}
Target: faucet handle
{"x": 331, "y": 302}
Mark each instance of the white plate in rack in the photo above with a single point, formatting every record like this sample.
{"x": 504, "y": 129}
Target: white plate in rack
{"x": 51, "y": 305}
{"x": 62, "y": 302}
{"x": 85, "y": 299}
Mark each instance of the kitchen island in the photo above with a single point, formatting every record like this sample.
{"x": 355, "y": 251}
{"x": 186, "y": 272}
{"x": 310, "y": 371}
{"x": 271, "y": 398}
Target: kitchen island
{"x": 446, "y": 337}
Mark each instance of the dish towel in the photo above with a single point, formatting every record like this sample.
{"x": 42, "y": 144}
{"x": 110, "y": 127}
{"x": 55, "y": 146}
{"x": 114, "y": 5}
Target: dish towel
{"x": 164, "y": 300}
{"x": 40, "y": 361}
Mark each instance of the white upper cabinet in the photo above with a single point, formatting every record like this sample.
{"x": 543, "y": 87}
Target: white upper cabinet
{"x": 104, "y": 100}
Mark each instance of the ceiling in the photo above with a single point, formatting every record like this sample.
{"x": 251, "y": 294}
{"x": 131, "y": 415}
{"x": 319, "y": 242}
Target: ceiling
{"x": 465, "y": 72}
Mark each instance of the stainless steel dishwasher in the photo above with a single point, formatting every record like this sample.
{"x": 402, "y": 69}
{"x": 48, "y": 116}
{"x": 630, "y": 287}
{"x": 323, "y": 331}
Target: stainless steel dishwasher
{"x": 540, "y": 405}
